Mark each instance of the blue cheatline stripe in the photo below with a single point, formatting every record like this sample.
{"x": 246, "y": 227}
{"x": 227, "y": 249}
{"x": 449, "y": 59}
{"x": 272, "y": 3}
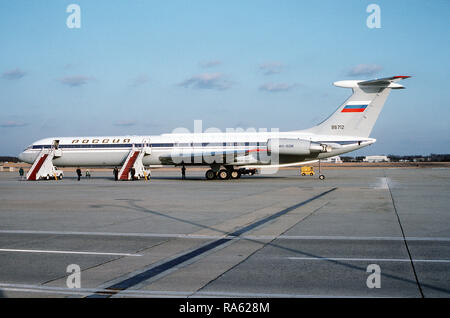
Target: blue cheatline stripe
{"x": 355, "y": 106}
{"x": 167, "y": 145}
{"x": 154, "y": 271}
{"x": 158, "y": 145}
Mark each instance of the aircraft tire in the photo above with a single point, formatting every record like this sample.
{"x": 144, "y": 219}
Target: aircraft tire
{"x": 235, "y": 174}
{"x": 210, "y": 175}
{"x": 224, "y": 174}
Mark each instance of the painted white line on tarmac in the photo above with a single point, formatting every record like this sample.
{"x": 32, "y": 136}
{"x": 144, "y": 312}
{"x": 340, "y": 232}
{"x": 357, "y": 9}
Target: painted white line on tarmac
{"x": 209, "y": 237}
{"x": 147, "y": 293}
{"x": 150, "y": 235}
{"x": 84, "y": 291}
{"x": 65, "y": 252}
{"x": 368, "y": 259}
{"x": 366, "y": 238}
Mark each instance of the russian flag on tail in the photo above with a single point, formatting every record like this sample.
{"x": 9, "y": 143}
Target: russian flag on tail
{"x": 355, "y": 107}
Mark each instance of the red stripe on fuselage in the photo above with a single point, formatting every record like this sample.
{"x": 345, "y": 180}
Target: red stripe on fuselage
{"x": 257, "y": 150}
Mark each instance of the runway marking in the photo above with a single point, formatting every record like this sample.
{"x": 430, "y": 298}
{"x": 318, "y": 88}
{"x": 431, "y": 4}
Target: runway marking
{"x": 368, "y": 259}
{"x": 177, "y": 261}
{"x": 366, "y": 238}
{"x": 81, "y": 291}
{"x": 147, "y": 293}
{"x": 65, "y": 252}
{"x": 253, "y": 237}
{"x": 208, "y": 237}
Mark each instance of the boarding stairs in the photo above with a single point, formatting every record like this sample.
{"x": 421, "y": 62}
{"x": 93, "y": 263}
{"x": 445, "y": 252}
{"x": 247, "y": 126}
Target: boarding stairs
{"x": 134, "y": 160}
{"x": 43, "y": 167}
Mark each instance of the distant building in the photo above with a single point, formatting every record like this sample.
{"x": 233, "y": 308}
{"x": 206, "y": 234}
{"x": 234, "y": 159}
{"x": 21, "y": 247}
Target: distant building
{"x": 376, "y": 159}
{"x": 335, "y": 159}
{"x": 7, "y": 168}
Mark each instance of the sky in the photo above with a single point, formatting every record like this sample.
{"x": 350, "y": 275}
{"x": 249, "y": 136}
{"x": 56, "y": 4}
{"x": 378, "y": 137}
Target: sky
{"x": 150, "y": 67}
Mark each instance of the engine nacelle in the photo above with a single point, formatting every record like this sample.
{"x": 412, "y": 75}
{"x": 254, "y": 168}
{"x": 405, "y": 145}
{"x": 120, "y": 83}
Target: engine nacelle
{"x": 295, "y": 147}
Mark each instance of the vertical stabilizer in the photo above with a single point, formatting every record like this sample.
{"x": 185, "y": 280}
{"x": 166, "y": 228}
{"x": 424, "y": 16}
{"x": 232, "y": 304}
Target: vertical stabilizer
{"x": 357, "y": 116}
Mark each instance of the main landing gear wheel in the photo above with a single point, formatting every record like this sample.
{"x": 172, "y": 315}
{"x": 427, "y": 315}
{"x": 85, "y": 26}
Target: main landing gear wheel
{"x": 322, "y": 177}
{"x": 224, "y": 174}
{"x": 210, "y": 175}
{"x": 235, "y": 174}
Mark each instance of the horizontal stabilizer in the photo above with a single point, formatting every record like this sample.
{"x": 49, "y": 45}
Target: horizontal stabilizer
{"x": 379, "y": 82}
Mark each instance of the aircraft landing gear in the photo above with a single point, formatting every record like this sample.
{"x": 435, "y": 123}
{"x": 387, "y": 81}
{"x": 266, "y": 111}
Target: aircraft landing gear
{"x": 210, "y": 174}
{"x": 228, "y": 173}
{"x": 235, "y": 174}
{"x": 321, "y": 176}
{"x": 224, "y": 174}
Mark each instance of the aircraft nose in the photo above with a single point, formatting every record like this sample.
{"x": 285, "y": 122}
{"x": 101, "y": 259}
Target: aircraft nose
{"x": 21, "y": 156}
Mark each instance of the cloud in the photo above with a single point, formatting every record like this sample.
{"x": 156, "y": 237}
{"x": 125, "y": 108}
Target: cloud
{"x": 209, "y": 64}
{"x": 12, "y": 123}
{"x": 140, "y": 80}
{"x": 14, "y": 74}
{"x": 215, "y": 81}
{"x": 125, "y": 123}
{"x": 75, "y": 80}
{"x": 277, "y": 87}
{"x": 364, "y": 69}
{"x": 270, "y": 68}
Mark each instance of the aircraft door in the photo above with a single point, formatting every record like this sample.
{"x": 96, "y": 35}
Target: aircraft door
{"x": 146, "y": 146}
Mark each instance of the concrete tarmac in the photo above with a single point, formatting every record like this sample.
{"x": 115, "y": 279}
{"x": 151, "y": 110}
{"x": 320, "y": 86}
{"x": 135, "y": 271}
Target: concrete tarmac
{"x": 279, "y": 235}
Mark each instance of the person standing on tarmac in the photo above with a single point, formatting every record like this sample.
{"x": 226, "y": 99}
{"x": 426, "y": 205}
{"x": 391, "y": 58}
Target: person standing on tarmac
{"x": 116, "y": 173}
{"x": 183, "y": 173}
{"x": 79, "y": 173}
{"x": 88, "y": 174}
{"x": 21, "y": 172}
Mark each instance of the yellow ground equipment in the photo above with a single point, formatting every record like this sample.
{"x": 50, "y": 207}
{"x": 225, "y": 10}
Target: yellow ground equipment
{"x": 305, "y": 170}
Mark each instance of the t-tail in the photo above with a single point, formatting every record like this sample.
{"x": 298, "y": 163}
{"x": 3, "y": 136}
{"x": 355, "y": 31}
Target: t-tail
{"x": 357, "y": 116}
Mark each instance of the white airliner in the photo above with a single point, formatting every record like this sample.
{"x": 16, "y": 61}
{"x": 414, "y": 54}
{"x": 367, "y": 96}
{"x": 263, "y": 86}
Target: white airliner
{"x": 228, "y": 154}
